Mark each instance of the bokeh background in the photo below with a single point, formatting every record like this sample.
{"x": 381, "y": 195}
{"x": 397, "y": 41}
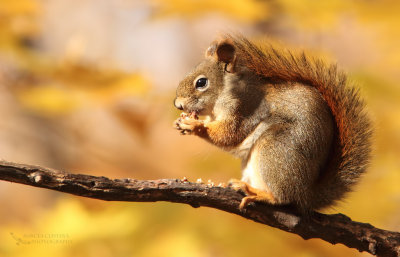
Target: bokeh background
{"x": 87, "y": 86}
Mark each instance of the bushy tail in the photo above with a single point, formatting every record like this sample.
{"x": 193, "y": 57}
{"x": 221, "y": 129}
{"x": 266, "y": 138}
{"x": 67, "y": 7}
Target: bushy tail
{"x": 351, "y": 148}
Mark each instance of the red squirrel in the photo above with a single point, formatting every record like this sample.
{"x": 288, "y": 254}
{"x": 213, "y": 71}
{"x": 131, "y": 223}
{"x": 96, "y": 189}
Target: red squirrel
{"x": 299, "y": 128}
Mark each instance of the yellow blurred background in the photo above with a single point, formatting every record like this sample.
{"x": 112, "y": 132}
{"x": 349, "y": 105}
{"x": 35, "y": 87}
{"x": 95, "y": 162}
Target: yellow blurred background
{"x": 87, "y": 86}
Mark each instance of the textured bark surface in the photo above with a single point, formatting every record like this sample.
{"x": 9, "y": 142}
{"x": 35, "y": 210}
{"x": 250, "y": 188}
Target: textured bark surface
{"x": 334, "y": 228}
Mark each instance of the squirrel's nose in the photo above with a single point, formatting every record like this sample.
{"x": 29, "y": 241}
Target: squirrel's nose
{"x": 178, "y": 103}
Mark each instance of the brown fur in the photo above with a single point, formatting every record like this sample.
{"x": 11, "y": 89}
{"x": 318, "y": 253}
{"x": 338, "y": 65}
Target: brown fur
{"x": 351, "y": 151}
{"x": 297, "y": 118}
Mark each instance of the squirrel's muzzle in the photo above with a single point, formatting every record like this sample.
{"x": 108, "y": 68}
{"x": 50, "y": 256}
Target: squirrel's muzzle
{"x": 178, "y": 102}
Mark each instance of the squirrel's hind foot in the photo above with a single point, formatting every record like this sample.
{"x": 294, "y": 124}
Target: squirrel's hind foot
{"x": 252, "y": 194}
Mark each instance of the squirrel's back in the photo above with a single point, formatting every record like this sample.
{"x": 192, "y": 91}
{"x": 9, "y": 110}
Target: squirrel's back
{"x": 350, "y": 150}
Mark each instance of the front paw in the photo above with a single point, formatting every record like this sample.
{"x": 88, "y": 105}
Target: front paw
{"x": 188, "y": 125}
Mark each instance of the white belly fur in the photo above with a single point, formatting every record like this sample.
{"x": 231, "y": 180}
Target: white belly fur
{"x": 252, "y": 175}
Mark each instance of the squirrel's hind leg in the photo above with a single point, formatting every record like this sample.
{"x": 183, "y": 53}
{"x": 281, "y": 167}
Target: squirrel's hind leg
{"x": 252, "y": 194}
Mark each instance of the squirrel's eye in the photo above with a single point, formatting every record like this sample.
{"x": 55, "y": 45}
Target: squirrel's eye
{"x": 201, "y": 83}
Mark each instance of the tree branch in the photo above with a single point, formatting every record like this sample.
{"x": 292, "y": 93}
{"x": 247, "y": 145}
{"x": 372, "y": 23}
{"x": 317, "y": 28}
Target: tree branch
{"x": 334, "y": 228}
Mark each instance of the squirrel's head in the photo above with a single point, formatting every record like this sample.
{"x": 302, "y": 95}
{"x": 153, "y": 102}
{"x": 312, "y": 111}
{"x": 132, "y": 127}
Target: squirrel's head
{"x": 200, "y": 89}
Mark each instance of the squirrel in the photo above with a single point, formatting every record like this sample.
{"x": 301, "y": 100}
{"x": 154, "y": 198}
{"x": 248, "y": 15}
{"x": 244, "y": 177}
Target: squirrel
{"x": 300, "y": 130}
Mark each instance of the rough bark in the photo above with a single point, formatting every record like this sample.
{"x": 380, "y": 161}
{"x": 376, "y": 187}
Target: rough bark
{"x": 334, "y": 228}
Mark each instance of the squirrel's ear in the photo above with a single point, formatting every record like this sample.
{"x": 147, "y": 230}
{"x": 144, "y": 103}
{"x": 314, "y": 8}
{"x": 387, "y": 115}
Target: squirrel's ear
{"x": 211, "y": 49}
{"x": 223, "y": 51}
